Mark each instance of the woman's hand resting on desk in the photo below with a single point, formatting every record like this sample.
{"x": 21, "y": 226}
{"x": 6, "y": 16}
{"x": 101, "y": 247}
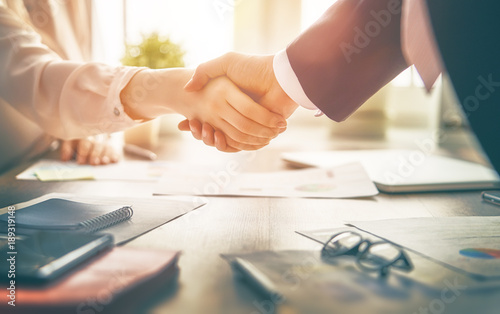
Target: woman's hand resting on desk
{"x": 93, "y": 150}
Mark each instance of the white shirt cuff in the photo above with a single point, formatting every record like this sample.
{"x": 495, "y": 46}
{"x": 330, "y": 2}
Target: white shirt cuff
{"x": 289, "y": 82}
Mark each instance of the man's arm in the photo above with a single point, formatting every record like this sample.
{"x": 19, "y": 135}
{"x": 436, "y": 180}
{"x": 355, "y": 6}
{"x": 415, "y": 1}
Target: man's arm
{"x": 351, "y": 52}
{"x": 348, "y": 54}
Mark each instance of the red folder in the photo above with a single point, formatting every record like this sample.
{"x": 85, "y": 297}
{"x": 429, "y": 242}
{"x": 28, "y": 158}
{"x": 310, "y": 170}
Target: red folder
{"x": 123, "y": 275}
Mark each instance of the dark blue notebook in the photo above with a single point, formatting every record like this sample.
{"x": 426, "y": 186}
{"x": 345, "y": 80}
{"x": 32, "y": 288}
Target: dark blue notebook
{"x": 60, "y": 214}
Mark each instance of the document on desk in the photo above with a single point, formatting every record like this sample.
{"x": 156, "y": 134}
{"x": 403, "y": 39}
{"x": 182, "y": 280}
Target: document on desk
{"x": 428, "y": 272}
{"x": 55, "y": 170}
{"x": 467, "y": 244}
{"x": 404, "y": 171}
{"x": 149, "y": 213}
{"x": 345, "y": 181}
{"x": 302, "y": 282}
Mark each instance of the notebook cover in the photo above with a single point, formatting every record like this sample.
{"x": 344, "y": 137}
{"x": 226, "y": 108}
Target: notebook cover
{"x": 149, "y": 212}
{"x": 58, "y": 214}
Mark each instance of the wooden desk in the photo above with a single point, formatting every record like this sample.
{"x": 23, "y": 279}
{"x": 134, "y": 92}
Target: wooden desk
{"x": 229, "y": 225}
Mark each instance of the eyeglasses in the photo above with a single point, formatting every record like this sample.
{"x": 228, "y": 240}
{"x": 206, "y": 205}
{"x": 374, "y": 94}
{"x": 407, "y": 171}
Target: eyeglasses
{"x": 370, "y": 256}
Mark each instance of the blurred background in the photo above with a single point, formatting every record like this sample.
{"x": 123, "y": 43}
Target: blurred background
{"x": 205, "y": 29}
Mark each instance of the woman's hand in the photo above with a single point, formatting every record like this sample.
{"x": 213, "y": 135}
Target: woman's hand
{"x": 93, "y": 150}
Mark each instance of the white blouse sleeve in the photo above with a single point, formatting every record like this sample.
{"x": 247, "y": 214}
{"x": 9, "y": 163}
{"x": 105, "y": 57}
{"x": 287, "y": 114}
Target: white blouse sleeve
{"x": 66, "y": 99}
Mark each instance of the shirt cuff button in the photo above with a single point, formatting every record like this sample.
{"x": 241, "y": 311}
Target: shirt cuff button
{"x": 116, "y": 111}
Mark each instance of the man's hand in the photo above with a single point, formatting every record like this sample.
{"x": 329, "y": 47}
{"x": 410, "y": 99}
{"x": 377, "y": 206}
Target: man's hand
{"x": 254, "y": 75}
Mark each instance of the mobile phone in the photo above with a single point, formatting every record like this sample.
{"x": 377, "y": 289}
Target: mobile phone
{"x": 42, "y": 256}
{"x": 491, "y": 197}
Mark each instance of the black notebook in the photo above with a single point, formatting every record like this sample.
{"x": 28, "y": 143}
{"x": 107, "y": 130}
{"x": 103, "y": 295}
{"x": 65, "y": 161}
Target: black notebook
{"x": 61, "y": 214}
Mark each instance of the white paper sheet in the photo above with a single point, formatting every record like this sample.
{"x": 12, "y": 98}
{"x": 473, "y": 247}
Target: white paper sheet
{"x": 344, "y": 181}
{"x": 55, "y": 170}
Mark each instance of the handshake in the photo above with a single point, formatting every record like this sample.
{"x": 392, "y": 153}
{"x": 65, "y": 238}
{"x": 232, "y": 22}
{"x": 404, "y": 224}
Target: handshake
{"x": 235, "y": 102}
{"x": 255, "y": 106}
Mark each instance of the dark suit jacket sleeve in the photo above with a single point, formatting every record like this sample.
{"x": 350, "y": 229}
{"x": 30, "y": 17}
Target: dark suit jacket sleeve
{"x": 351, "y": 52}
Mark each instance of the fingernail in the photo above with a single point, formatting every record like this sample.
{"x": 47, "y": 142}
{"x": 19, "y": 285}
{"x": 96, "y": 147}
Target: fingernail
{"x": 96, "y": 161}
{"x": 204, "y": 133}
{"x": 105, "y": 160}
{"x": 281, "y": 124}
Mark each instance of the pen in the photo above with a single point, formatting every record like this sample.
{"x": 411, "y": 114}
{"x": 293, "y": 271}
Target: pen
{"x": 491, "y": 197}
{"x": 139, "y": 151}
{"x": 255, "y": 277}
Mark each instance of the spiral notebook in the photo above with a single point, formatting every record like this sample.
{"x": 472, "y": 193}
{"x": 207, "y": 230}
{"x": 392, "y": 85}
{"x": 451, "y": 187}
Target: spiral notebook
{"x": 61, "y": 214}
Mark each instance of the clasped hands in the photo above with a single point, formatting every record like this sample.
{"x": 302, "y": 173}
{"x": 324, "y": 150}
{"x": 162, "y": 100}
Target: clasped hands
{"x": 254, "y": 75}
{"x": 233, "y": 102}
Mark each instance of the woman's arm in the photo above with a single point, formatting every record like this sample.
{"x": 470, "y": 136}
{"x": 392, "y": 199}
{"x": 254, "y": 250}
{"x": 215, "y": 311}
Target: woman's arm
{"x": 66, "y": 99}
{"x": 74, "y": 100}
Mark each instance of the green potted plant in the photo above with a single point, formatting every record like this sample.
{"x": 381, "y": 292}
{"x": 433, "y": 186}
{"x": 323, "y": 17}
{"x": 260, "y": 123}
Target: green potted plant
{"x": 154, "y": 52}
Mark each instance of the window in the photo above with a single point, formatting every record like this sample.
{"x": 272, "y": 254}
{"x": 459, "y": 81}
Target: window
{"x": 202, "y": 28}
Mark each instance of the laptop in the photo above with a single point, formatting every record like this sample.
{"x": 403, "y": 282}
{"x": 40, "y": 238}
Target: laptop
{"x": 404, "y": 171}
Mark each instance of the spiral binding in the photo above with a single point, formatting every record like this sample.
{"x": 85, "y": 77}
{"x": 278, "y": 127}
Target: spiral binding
{"x": 107, "y": 220}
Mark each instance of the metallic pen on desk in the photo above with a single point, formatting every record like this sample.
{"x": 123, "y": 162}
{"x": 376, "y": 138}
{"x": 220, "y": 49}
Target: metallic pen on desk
{"x": 491, "y": 197}
{"x": 139, "y": 151}
{"x": 254, "y": 276}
